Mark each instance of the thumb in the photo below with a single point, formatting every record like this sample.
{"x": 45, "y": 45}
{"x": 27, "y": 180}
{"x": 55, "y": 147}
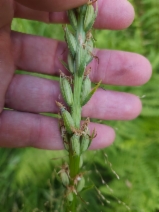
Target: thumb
{"x": 6, "y": 58}
{"x": 6, "y": 12}
{"x": 52, "y": 5}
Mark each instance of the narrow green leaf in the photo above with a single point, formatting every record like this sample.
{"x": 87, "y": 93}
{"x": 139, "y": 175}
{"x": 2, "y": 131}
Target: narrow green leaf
{"x": 90, "y": 94}
{"x": 86, "y": 188}
{"x": 64, "y": 64}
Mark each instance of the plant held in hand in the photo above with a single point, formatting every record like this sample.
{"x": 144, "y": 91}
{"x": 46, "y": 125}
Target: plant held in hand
{"x": 76, "y": 91}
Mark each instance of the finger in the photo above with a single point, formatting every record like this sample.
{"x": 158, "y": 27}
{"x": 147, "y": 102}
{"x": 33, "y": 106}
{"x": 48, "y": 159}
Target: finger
{"x": 113, "y": 14}
{"x": 6, "y": 12}
{"x": 115, "y": 67}
{"x": 6, "y": 58}
{"x": 25, "y": 129}
{"x": 50, "y": 5}
{"x": 32, "y": 94}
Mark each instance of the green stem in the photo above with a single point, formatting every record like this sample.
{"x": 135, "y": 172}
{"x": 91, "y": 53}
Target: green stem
{"x": 74, "y": 165}
{"x": 76, "y": 107}
{"x": 74, "y": 160}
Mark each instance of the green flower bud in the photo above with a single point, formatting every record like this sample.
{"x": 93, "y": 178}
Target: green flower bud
{"x": 89, "y": 18}
{"x": 81, "y": 184}
{"x": 71, "y": 42}
{"x": 67, "y": 119}
{"x": 75, "y": 144}
{"x": 89, "y": 47}
{"x": 64, "y": 178}
{"x": 86, "y": 88}
{"x": 70, "y": 64}
{"x": 69, "y": 196}
{"x": 72, "y": 19}
{"x": 66, "y": 91}
{"x": 81, "y": 60}
{"x": 82, "y": 10}
{"x": 85, "y": 141}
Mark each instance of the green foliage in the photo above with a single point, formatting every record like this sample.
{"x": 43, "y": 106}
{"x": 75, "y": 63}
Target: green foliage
{"x": 27, "y": 175}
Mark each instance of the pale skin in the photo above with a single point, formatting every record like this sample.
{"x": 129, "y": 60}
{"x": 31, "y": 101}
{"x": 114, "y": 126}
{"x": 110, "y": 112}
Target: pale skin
{"x": 29, "y": 95}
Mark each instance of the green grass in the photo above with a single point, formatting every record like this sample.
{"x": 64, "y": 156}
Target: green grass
{"x": 28, "y": 182}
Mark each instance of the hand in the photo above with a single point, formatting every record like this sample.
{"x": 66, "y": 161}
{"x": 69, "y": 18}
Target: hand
{"x": 29, "y": 95}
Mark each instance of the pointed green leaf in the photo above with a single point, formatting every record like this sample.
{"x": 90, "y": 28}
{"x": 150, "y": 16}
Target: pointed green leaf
{"x": 64, "y": 64}
{"x": 90, "y": 94}
{"x": 86, "y": 188}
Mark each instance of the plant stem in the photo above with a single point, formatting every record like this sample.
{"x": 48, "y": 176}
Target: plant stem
{"x": 74, "y": 165}
{"x": 76, "y": 137}
{"x": 74, "y": 161}
{"x": 76, "y": 107}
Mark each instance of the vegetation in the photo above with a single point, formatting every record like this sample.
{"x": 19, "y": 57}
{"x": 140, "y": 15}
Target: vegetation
{"x": 31, "y": 185}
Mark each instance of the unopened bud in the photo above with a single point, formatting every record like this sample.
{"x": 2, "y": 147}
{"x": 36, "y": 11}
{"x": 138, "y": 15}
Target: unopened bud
{"x": 81, "y": 184}
{"x": 86, "y": 88}
{"x": 70, "y": 64}
{"x": 64, "y": 178}
{"x": 85, "y": 141}
{"x": 89, "y": 47}
{"x": 75, "y": 144}
{"x": 72, "y": 19}
{"x": 81, "y": 60}
{"x": 67, "y": 119}
{"x": 71, "y": 42}
{"x": 69, "y": 196}
{"x": 66, "y": 91}
{"x": 89, "y": 18}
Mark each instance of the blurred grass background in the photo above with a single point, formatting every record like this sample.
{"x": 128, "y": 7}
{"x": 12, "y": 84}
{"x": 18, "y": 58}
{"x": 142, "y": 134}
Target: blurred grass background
{"x": 27, "y": 178}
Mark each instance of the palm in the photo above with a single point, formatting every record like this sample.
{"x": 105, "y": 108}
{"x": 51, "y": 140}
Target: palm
{"x": 28, "y": 95}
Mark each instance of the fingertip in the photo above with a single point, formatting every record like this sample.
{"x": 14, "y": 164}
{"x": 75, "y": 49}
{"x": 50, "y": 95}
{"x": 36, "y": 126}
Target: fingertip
{"x": 115, "y": 14}
{"x": 146, "y": 70}
{"x": 132, "y": 107}
{"x": 52, "y": 6}
{"x": 127, "y": 15}
{"x": 141, "y": 70}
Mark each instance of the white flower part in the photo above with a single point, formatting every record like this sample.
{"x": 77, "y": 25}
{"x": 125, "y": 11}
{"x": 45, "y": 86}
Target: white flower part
{"x": 78, "y": 178}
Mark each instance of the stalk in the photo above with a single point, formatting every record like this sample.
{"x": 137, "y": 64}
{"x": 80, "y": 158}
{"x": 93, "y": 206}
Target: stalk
{"x": 76, "y": 136}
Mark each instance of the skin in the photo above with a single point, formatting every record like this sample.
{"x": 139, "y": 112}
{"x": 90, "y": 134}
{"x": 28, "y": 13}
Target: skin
{"x": 29, "y": 95}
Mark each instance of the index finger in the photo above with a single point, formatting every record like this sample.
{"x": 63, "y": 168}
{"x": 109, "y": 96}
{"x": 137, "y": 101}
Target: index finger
{"x": 113, "y": 14}
{"x": 52, "y": 5}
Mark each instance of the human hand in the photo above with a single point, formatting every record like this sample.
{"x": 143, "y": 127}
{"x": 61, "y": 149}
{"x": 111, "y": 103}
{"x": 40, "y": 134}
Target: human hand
{"x": 28, "y": 95}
